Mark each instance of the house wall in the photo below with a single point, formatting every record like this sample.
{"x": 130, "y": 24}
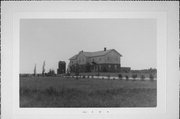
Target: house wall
{"x": 81, "y": 59}
{"x": 112, "y": 58}
{"x": 105, "y": 63}
{"x": 99, "y": 59}
{"x": 72, "y": 62}
{"x": 106, "y": 68}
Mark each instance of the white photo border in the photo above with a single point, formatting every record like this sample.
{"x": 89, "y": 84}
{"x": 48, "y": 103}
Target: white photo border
{"x": 130, "y": 113}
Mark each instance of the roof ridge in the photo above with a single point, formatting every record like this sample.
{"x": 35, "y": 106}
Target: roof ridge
{"x": 94, "y": 54}
{"x": 102, "y": 50}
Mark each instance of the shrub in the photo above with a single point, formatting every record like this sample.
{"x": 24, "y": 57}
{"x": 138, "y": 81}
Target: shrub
{"x": 134, "y": 76}
{"x": 51, "y": 73}
{"x": 142, "y": 77}
{"x": 120, "y": 76}
{"x": 151, "y": 77}
{"x": 108, "y": 76}
{"x": 127, "y": 77}
{"x": 83, "y": 76}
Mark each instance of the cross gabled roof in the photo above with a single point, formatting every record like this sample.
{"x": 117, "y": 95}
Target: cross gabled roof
{"x": 74, "y": 57}
{"x": 95, "y": 54}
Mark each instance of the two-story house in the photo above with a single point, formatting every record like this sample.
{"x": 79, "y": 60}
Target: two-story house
{"x": 99, "y": 61}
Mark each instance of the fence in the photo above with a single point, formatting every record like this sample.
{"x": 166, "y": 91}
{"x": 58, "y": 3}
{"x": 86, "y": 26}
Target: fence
{"x": 111, "y": 77}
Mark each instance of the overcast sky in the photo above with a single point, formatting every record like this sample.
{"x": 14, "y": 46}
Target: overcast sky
{"x": 53, "y": 40}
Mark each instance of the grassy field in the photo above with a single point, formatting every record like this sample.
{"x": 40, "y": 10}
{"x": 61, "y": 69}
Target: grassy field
{"x": 69, "y": 92}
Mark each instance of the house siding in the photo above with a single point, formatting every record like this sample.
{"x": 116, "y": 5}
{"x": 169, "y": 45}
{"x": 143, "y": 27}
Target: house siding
{"x": 109, "y": 62}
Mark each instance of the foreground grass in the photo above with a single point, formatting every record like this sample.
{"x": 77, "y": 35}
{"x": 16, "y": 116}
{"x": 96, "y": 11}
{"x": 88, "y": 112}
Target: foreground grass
{"x": 86, "y": 93}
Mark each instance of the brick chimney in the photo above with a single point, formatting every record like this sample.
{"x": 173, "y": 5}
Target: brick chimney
{"x": 104, "y": 48}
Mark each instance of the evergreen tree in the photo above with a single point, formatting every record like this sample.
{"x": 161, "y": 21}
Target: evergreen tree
{"x": 43, "y": 68}
{"x": 35, "y": 70}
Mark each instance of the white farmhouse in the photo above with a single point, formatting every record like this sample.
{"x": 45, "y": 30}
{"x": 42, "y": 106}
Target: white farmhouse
{"x": 99, "y": 61}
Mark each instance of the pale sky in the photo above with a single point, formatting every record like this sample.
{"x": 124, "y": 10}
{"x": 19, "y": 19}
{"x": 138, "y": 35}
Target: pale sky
{"x": 53, "y": 40}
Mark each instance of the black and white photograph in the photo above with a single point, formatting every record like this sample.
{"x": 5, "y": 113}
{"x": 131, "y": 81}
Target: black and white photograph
{"x": 88, "y": 63}
{"x": 90, "y": 59}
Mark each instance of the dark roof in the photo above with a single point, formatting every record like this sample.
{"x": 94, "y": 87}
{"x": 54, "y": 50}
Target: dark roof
{"x": 95, "y": 54}
{"x": 74, "y": 57}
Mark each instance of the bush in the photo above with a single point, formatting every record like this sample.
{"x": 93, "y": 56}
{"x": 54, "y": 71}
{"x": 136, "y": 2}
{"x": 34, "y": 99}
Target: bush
{"x": 120, "y": 76}
{"x": 67, "y": 74}
{"x": 108, "y": 76}
{"x": 142, "y": 77}
{"x": 134, "y": 76}
{"x": 127, "y": 77}
{"x": 151, "y": 77}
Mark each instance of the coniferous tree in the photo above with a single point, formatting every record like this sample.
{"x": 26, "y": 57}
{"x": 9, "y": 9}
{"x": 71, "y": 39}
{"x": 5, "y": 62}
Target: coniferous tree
{"x": 43, "y": 68}
{"x": 35, "y": 70}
